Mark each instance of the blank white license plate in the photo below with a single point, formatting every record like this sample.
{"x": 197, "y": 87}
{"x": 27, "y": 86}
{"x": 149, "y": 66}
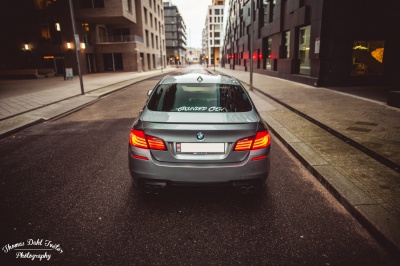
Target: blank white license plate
{"x": 200, "y": 148}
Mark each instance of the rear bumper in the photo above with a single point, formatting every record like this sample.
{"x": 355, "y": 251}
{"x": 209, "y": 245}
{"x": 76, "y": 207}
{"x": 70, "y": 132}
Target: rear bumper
{"x": 197, "y": 174}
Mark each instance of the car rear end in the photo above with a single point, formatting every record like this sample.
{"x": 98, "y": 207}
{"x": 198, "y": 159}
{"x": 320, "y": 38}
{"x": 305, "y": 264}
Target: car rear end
{"x": 203, "y": 132}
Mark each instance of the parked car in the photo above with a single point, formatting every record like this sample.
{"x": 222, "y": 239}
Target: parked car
{"x": 199, "y": 129}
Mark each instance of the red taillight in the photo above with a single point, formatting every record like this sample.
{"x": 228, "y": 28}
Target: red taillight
{"x": 138, "y": 139}
{"x": 261, "y": 140}
{"x": 140, "y": 157}
{"x": 156, "y": 143}
{"x": 244, "y": 144}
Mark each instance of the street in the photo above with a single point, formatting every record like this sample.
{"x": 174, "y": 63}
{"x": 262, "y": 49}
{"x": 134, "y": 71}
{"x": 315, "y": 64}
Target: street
{"x": 67, "y": 181}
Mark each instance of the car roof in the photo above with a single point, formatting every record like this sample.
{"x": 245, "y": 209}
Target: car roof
{"x": 199, "y": 78}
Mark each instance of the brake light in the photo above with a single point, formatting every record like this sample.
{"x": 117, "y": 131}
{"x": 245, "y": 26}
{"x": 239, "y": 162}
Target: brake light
{"x": 244, "y": 144}
{"x": 261, "y": 140}
{"x": 138, "y": 139}
{"x": 156, "y": 143}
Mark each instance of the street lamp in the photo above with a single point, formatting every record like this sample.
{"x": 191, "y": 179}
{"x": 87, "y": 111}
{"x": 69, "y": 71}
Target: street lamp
{"x": 77, "y": 48}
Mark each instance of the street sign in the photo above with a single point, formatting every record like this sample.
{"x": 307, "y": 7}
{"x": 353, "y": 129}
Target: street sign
{"x": 69, "y": 74}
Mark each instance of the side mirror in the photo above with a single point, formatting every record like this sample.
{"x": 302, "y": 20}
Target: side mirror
{"x": 149, "y": 92}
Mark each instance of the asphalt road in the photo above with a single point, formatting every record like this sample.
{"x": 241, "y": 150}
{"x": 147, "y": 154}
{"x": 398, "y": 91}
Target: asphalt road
{"x": 67, "y": 181}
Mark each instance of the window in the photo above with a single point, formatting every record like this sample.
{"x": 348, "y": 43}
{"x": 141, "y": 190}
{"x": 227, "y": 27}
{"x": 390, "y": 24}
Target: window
{"x": 156, "y": 41}
{"x": 129, "y": 6}
{"x": 367, "y": 58}
{"x": 152, "y": 40}
{"x": 266, "y": 11}
{"x": 199, "y": 98}
{"x": 147, "y": 38}
{"x": 145, "y": 14}
{"x": 286, "y": 52}
{"x": 151, "y": 20}
{"x": 267, "y": 50}
{"x": 304, "y": 50}
{"x": 45, "y": 34}
{"x": 121, "y": 34}
{"x": 216, "y": 11}
{"x": 92, "y": 3}
{"x": 216, "y": 34}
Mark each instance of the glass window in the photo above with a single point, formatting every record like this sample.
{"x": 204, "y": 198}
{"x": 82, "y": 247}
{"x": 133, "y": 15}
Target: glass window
{"x": 92, "y": 3}
{"x": 287, "y": 45}
{"x": 199, "y": 98}
{"x": 304, "y": 50}
{"x": 129, "y": 5}
{"x": 216, "y": 11}
{"x": 151, "y": 20}
{"x": 265, "y": 7}
{"x": 45, "y": 34}
{"x": 268, "y": 52}
{"x": 367, "y": 58}
{"x": 145, "y": 14}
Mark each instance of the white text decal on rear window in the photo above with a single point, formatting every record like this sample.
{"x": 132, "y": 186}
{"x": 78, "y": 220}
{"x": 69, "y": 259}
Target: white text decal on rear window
{"x": 201, "y": 109}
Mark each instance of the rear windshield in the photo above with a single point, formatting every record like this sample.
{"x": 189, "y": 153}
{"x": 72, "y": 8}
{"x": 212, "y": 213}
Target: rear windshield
{"x": 199, "y": 98}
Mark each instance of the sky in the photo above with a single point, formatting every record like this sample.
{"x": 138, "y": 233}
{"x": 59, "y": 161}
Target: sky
{"x": 194, "y": 15}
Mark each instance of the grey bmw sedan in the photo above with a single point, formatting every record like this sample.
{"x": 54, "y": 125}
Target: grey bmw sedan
{"x": 199, "y": 129}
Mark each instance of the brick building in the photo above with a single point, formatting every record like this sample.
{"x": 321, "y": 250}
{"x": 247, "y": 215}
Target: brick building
{"x": 114, "y": 35}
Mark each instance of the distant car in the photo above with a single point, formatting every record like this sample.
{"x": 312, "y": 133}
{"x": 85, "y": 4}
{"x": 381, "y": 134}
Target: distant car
{"x": 199, "y": 129}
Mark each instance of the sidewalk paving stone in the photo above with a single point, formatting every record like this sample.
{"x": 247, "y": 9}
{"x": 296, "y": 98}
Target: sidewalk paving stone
{"x": 369, "y": 189}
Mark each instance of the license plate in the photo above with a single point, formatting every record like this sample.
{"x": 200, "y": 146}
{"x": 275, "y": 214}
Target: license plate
{"x": 200, "y": 148}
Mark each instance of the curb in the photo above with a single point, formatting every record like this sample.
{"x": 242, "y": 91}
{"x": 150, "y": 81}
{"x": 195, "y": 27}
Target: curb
{"x": 95, "y": 97}
{"x": 376, "y": 220}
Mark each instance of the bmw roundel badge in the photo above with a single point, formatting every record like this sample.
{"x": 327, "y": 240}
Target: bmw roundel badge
{"x": 200, "y": 136}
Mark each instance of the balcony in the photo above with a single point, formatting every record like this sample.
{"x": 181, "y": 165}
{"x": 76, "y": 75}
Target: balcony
{"x": 119, "y": 39}
{"x": 113, "y": 12}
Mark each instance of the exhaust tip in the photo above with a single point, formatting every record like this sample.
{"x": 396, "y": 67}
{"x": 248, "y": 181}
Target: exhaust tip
{"x": 247, "y": 190}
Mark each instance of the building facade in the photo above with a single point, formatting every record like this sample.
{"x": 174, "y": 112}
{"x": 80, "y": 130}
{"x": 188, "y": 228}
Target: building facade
{"x": 193, "y": 55}
{"x": 111, "y": 35}
{"x": 316, "y": 42}
{"x": 175, "y": 34}
{"x": 212, "y": 36}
